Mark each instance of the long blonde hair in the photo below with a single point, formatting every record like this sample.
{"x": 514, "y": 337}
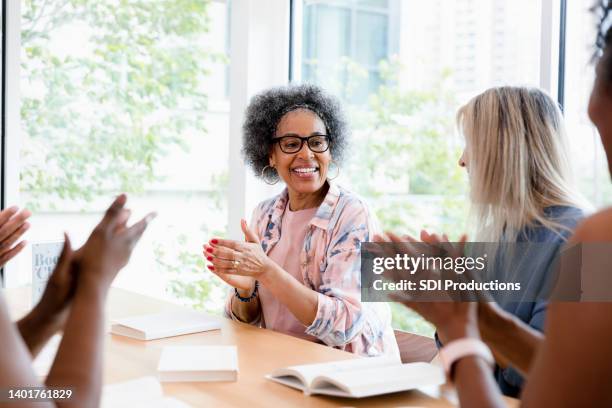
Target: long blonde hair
{"x": 518, "y": 162}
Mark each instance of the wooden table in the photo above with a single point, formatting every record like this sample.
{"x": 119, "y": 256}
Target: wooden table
{"x": 260, "y": 351}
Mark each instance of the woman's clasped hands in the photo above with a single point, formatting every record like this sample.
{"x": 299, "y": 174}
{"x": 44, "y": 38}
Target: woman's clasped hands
{"x": 237, "y": 263}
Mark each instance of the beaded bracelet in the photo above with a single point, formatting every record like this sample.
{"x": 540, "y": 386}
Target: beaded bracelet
{"x": 247, "y": 299}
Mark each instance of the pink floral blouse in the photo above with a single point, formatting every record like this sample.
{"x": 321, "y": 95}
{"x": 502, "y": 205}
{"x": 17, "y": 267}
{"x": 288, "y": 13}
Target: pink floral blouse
{"x": 330, "y": 263}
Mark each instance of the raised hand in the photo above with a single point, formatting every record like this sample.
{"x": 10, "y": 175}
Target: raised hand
{"x": 238, "y": 263}
{"x": 393, "y": 245}
{"x": 12, "y": 227}
{"x": 110, "y": 245}
{"x": 453, "y": 320}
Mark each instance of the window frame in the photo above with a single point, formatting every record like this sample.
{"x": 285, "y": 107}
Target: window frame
{"x": 2, "y": 107}
{"x": 561, "y": 53}
{"x": 3, "y": 118}
{"x": 11, "y": 139}
{"x": 550, "y": 34}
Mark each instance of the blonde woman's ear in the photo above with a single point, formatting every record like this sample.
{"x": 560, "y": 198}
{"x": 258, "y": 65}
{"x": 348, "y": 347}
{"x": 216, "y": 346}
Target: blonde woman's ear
{"x": 462, "y": 162}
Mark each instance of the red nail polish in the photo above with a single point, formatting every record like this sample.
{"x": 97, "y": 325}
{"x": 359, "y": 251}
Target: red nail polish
{"x": 210, "y": 258}
{"x": 214, "y": 241}
{"x": 209, "y": 250}
{"x": 212, "y": 268}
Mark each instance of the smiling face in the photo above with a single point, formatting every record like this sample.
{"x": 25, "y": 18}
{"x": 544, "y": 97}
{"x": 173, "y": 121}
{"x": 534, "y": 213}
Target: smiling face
{"x": 304, "y": 172}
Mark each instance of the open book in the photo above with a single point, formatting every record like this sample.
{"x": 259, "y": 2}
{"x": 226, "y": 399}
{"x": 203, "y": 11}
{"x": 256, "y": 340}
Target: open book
{"x": 166, "y": 324}
{"x": 358, "y": 378}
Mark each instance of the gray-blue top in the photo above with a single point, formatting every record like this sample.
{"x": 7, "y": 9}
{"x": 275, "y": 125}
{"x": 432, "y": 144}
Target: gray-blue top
{"x": 538, "y": 267}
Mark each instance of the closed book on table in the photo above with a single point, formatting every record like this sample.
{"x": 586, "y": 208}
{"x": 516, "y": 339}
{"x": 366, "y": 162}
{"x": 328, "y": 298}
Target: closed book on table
{"x": 198, "y": 363}
{"x": 166, "y": 324}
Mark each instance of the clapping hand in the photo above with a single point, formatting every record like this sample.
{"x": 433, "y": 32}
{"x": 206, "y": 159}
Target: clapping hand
{"x": 238, "y": 263}
{"x": 13, "y": 224}
{"x": 53, "y": 307}
{"x": 431, "y": 247}
{"x": 109, "y": 247}
{"x": 452, "y": 319}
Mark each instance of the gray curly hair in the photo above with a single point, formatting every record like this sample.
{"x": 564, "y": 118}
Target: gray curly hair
{"x": 268, "y": 107}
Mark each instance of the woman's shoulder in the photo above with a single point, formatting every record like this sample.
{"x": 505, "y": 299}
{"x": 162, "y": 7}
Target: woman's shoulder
{"x": 267, "y": 206}
{"x": 352, "y": 213}
{"x": 350, "y": 203}
{"x": 566, "y": 215}
{"x": 595, "y": 228}
{"x": 565, "y": 218}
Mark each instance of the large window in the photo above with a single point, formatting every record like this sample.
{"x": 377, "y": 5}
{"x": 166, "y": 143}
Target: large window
{"x": 135, "y": 96}
{"x": 587, "y": 155}
{"x": 338, "y": 52}
{"x": 402, "y": 69}
{"x": 129, "y": 96}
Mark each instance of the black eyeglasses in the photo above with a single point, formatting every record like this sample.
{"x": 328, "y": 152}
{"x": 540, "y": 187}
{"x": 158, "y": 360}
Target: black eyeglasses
{"x": 293, "y": 144}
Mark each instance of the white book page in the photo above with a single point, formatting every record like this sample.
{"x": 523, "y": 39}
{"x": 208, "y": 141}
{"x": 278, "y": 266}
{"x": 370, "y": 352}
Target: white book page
{"x": 144, "y": 392}
{"x": 166, "y": 402}
{"x": 170, "y": 402}
{"x": 379, "y": 380}
{"x": 308, "y": 372}
{"x": 136, "y": 392}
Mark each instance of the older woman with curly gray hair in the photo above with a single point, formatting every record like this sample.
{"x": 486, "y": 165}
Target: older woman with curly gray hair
{"x": 299, "y": 270}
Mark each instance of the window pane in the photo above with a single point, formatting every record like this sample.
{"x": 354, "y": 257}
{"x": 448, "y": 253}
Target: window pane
{"x": 328, "y": 30}
{"x": 338, "y": 54}
{"x": 411, "y": 64}
{"x": 588, "y": 158}
{"x": 373, "y": 3}
{"x": 130, "y": 98}
{"x": 372, "y": 42}
{"x": 328, "y": 34}
{"x": 475, "y": 43}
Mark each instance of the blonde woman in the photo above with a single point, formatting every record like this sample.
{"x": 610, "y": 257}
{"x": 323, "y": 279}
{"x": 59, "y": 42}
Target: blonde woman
{"x": 520, "y": 191}
{"x": 518, "y": 165}
{"x": 571, "y": 366}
